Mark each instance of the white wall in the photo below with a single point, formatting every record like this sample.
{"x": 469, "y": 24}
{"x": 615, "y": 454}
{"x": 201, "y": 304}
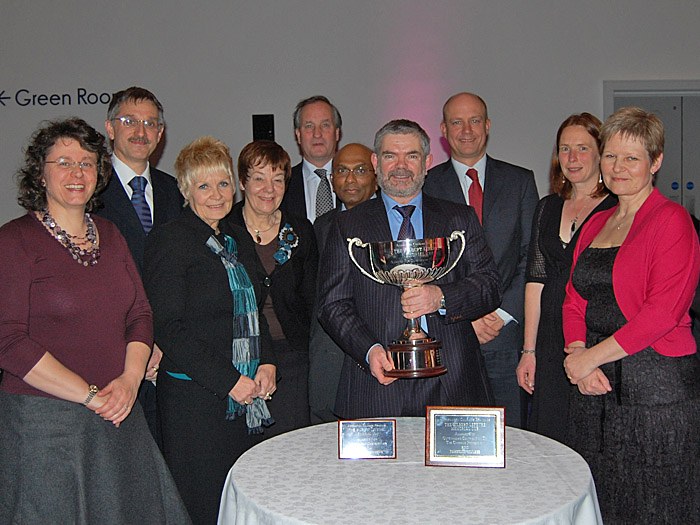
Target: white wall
{"x": 216, "y": 62}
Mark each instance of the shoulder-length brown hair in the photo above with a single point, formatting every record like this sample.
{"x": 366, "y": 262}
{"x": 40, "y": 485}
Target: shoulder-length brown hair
{"x": 557, "y": 182}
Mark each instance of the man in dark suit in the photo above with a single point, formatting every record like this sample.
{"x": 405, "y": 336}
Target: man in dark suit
{"x": 354, "y": 182}
{"x": 317, "y": 127}
{"x": 504, "y": 197}
{"x": 363, "y": 316}
{"x": 138, "y": 197}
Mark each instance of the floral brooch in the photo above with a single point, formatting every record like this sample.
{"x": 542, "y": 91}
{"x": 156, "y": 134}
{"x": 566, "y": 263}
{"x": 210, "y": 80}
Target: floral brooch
{"x": 288, "y": 240}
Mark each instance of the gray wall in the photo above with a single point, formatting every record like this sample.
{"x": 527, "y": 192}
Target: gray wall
{"x": 214, "y": 64}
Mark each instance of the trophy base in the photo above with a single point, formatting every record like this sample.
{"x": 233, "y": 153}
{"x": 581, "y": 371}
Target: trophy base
{"x": 416, "y": 359}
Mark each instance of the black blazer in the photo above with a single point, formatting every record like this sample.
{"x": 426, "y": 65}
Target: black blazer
{"x": 510, "y": 198}
{"x": 189, "y": 292}
{"x": 292, "y": 285}
{"x": 358, "y": 312}
{"x": 294, "y": 200}
{"x": 116, "y": 206}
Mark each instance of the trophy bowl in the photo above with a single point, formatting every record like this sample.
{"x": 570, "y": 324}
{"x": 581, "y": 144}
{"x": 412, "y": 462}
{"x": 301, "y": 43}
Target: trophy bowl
{"x": 408, "y": 263}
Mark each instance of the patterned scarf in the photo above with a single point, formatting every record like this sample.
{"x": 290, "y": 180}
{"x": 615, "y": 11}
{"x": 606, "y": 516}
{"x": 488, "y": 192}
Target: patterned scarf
{"x": 245, "y": 349}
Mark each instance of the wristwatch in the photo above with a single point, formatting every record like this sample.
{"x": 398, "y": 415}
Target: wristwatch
{"x": 92, "y": 392}
{"x": 443, "y": 306}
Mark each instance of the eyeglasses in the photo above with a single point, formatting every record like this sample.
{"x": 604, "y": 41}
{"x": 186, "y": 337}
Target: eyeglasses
{"x": 129, "y": 122}
{"x": 69, "y": 165}
{"x": 358, "y": 172}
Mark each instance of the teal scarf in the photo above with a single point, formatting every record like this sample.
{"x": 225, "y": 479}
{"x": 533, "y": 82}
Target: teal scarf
{"x": 245, "y": 349}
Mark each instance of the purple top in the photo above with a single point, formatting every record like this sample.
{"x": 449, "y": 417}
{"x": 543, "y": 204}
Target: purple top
{"x": 83, "y": 316}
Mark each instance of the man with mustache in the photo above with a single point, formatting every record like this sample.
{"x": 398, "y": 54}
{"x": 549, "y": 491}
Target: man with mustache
{"x": 317, "y": 127}
{"x": 363, "y": 316}
{"x": 138, "y": 196}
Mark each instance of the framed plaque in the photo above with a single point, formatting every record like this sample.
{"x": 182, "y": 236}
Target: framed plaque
{"x": 367, "y": 439}
{"x": 465, "y": 437}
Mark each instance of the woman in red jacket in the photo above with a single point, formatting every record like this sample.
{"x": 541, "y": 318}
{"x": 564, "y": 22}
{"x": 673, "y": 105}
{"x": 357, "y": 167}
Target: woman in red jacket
{"x": 636, "y": 419}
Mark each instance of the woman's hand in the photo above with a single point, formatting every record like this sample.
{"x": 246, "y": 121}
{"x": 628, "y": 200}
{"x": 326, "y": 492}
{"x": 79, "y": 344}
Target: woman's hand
{"x": 244, "y": 390}
{"x": 578, "y": 364}
{"x": 595, "y": 384}
{"x": 120, "y": 395}
{"x": 526, "y": 372}
{"x": 153, "y": 364}
{"x": 266, "y": 381}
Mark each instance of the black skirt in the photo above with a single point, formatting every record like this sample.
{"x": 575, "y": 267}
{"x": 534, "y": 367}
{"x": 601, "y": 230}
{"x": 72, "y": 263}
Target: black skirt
{"x": 62, "y": 463}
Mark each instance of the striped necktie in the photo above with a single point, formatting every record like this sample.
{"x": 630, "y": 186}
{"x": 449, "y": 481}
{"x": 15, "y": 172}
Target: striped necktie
{"x": 138, "y": 199}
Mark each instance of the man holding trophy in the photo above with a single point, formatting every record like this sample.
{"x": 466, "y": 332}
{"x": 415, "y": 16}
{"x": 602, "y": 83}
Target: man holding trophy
{"x": 435, "y": 253}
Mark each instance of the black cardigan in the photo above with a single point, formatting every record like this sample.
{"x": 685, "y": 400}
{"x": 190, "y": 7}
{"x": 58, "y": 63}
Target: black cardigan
{"x": 292, "y": 285}
{"x": 189, "y": 292}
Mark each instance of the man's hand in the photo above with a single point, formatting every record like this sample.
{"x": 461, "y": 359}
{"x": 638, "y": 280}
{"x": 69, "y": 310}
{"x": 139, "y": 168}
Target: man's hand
{"x": 488, "y": 327}
{"x": 379, "y": 362}
{"x": 420, "y": 300}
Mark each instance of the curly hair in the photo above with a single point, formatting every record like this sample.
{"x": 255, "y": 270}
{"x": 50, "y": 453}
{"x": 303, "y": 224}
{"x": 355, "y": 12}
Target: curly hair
{"x": 32, "y": 194}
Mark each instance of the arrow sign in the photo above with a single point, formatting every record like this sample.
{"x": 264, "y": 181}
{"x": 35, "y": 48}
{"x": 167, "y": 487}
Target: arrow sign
{"x": 3, "y": 98}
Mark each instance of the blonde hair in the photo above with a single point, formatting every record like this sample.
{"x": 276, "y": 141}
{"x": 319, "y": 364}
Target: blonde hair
{"x": 203, "y": 156}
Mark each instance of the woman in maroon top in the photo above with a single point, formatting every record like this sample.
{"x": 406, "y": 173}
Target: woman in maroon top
{"x": 75, "y": 338}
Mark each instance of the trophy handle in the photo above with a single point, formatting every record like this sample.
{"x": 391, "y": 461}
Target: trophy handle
{"x": 457, "y": 234}
{"x": 356, "y": 241}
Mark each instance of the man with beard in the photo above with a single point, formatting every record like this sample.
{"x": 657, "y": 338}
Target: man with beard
{"x": 363, "y": 316}
{"x": 138, "y": 197}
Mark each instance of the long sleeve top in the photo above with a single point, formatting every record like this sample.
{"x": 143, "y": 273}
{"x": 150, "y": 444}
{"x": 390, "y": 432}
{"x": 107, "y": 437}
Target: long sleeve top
{"x": 654, "y": 279}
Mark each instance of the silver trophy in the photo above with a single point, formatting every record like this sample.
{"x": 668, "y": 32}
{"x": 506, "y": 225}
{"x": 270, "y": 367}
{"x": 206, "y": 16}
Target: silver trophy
{"x": 409, "y": 263}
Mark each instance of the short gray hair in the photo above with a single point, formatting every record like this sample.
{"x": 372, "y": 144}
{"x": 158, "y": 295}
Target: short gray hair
{"x": 402, "y": 127}
{"x": 337, "y": 119}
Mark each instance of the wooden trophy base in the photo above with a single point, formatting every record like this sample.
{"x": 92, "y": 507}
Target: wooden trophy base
{"x": 416, "y": 359}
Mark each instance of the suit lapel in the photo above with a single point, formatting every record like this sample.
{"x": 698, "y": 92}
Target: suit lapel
{"x": 434, "y": 221}
{"x": 451, "y": 182}
{"x": 493, "y": 185}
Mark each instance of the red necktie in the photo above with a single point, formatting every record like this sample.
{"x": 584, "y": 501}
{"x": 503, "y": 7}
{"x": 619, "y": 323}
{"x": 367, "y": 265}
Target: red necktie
{"x": 476, "y": 194}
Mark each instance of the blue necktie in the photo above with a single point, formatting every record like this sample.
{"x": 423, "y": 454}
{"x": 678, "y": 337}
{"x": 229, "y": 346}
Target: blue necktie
{"x": 138, "y": 199}
{"x": 406, "y": 231}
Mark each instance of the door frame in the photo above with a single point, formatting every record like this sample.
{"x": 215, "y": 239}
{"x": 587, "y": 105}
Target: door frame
{"x": 645, "y": 88}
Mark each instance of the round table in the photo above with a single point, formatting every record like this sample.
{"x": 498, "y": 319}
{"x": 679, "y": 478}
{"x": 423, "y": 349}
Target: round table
{"x": 297, "y": 478}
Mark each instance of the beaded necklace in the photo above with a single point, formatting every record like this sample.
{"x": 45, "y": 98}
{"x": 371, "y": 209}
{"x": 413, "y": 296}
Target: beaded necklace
{"x": 83, "y": 257}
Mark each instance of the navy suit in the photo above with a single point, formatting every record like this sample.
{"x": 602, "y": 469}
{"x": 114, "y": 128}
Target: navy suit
{"x": 116, "y": 206}
{"x": 510, "y": 198}
{"x": 358, "y": 312}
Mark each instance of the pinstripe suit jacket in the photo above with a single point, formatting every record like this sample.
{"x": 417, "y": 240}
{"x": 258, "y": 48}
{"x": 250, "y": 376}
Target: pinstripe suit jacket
{"x": 358, "y": 312}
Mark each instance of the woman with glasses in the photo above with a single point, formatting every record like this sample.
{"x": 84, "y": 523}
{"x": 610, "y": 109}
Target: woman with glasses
{"x": 285, "y": 266}
{"x": 75, "y": 337}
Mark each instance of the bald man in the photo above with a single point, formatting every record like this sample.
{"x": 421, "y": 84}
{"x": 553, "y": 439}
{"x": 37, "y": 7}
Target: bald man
{"x": 354, "y": 181}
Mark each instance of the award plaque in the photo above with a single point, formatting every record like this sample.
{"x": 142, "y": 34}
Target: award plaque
{"x": 465, "y": 437}
{"x": 408, "y": 263}
{"x": 367, "y": 439}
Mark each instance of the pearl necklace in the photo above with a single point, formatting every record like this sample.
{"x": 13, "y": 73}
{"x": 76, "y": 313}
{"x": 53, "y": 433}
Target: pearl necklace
{"x": 84, "y": 257}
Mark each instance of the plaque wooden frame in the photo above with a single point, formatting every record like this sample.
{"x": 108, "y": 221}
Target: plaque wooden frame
{"x": 465, "y": 437}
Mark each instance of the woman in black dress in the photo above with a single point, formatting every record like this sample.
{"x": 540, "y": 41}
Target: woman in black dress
{"x": 578, "y": 191}
{"x": 285, "y": 268}
{"x": 635, "y": 416}
{"x": 216, "y": 374}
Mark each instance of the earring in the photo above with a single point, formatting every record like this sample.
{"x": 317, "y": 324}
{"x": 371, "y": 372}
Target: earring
{"x": 600, "y": 178}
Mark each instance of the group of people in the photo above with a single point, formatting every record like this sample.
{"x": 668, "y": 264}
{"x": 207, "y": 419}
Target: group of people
{"x": 580, "y": 300}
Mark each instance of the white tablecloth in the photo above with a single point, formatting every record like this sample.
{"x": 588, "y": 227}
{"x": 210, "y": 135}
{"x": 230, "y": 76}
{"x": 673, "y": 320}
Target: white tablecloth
{"x": 297, "y": 478}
